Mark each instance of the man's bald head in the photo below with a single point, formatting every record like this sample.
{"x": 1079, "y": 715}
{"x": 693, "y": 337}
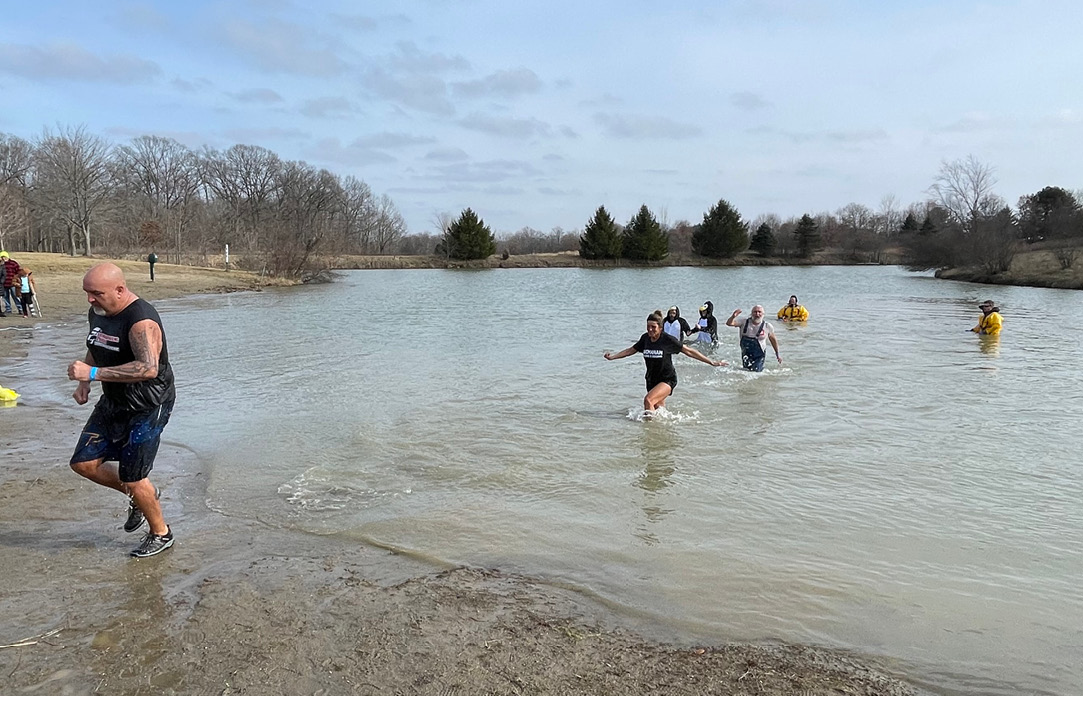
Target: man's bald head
{"x": 106, "y": 274}
{"x": 106, "y": 290}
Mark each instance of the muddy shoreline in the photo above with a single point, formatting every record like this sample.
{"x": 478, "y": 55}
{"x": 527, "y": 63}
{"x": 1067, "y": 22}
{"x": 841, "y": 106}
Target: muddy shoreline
{"x": 241, "y": 607}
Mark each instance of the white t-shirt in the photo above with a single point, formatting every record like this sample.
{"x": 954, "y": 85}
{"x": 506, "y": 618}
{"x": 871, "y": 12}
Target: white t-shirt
{"x": 750, "y": 329}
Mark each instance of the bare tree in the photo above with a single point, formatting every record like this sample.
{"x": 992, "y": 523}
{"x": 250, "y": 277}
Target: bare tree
{"x": 164, "y": 175}
{"x": 154, "y": 189}
{"x": 16, "y": 160}
{"x": 308, "y": 201}
{"x": 858, "y": 231}
{"x": 773, "y": 222}
{"x": 994, "y": 241}
{"x": 889, "y": 216}
{"x": 14, "y": 213}
{"x": 680, "y": 238}
{"x": 442, "y": 221}
{"x": 390, "y": 226}
{"x": 74, "y": 178}
{"x": 359, "y": 215}
{"x": 964, "y": 188}
{"x": 1066, "y": 253}
{"x": 246, "y": 178}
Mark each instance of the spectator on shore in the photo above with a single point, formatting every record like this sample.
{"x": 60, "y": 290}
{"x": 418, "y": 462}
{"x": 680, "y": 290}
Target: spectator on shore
{"x": 27, "y": 290}
{"x": 10, "y": 272}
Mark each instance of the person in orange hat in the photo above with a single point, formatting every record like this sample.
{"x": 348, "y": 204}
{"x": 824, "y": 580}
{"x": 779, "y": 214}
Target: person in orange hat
{"x": 27, "y": 289}
{"x": 990, "y": 322}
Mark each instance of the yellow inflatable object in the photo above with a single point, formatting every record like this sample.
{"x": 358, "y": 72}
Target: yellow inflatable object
{"x": 793, "y": 312}
{"x": 6, "y": 394}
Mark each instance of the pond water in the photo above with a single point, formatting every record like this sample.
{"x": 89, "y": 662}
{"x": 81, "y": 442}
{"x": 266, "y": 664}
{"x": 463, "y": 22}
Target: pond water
{"x": 898, "y": 486}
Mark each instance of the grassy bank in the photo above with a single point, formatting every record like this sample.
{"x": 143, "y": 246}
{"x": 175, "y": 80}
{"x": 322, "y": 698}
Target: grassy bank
{"x": 1037, "y": 268}
{"x": 59, "y": 279}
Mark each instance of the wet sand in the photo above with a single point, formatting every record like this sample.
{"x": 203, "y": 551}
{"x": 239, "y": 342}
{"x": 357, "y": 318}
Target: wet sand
{"x": 240, "y": 607}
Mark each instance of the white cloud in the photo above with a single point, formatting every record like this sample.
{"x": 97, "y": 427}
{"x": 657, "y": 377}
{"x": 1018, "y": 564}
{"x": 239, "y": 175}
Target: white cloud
{"x": 67, "y": 61}
{"x": 646, "y": 127}
{"x": 427, "y": 93}
{"x": 504, "y": 127}
{"x": 276, "y": 46}
{"x": 447, "y": 155}
{"x": 328, "y": 107}
{"x": 748, "y": 101}
{"x": 264, "y": 96}
{"x": 503, "y": 84}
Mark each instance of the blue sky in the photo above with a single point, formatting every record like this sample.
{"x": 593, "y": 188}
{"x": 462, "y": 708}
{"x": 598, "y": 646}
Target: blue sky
{"x": 536, "y": 113}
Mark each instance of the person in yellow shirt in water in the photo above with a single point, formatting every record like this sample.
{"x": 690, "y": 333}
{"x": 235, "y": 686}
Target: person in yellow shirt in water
{"x": 990, "y": 322}
{"x": 793, "y": 310}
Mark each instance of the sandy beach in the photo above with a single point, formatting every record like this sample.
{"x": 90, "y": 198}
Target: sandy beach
{"x": 240, "y": 607}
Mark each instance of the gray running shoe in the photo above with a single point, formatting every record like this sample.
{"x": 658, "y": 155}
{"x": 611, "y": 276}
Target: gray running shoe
{"x": 153, "y": 545}
{"x": 135, "y": 516}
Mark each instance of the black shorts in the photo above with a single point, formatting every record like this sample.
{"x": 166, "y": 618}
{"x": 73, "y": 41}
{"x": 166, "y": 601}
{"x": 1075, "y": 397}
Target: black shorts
{"x": 652, "y": 382}
{"x": 117, "y": 434}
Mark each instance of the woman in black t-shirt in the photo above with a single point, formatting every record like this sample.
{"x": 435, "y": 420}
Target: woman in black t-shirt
{"x": 658, "y": 350}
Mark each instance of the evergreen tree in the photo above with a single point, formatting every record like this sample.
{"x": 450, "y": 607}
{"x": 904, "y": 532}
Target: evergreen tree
{"x": 763, "y": 241}
{"x": 601, "y": 238}
{"x": 644, "y": 239}
{"x": 468, "y": 238}
{"x": 807, "y": 235}
{"x": 1051, "y": 213}
{"x": 927, "y": 228}
{"x": 910, "y": 225}
{"x": 721, "y": 234}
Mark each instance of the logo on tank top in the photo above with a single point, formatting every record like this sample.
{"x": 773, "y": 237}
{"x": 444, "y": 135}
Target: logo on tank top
{"x": 103, "y": 340}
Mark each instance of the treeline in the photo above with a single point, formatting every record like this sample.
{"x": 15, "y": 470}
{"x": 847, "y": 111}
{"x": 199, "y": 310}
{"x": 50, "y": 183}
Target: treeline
{"x": 962, "y": 223}
{"x": 967, "y": 225}
{"x": 71, "y": 191}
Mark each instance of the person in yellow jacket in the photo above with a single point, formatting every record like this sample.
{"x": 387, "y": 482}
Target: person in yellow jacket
{"x": 793, "y": 310}
{"x": 990, "y": 321}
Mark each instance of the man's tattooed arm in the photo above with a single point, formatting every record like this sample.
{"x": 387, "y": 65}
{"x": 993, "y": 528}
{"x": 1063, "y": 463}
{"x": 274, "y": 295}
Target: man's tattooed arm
{"x": 146, "y": 340}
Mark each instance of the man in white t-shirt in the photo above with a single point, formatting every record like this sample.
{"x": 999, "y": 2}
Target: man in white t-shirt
{"x": 755, "y": 333}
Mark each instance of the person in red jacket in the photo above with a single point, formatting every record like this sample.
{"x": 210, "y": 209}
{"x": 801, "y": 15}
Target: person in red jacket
{"x": 10, "y": 272}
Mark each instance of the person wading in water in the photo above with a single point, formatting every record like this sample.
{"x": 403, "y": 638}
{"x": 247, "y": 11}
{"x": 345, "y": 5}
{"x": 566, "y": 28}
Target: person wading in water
{"x": 658, "y": 349}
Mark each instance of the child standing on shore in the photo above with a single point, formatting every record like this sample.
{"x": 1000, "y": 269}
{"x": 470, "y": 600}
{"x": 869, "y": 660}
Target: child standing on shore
{"x": 27, "y": 288}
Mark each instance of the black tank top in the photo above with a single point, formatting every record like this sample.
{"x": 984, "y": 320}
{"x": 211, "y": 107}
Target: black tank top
{"x": 109, "y": 345}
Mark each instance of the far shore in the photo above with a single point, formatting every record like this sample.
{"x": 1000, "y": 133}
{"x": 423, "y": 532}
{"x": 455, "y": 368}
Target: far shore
{"x": 572, "y": 259}
{"x": 1037, "y": 268}
{"x": 58, "y": 276}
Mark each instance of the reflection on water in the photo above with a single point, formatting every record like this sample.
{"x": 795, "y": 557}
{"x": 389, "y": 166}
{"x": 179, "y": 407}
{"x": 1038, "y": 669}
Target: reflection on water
{"x": 661, "y": 446}
{"x": 989, "y": 344}
{"x": 896, "y": 487}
